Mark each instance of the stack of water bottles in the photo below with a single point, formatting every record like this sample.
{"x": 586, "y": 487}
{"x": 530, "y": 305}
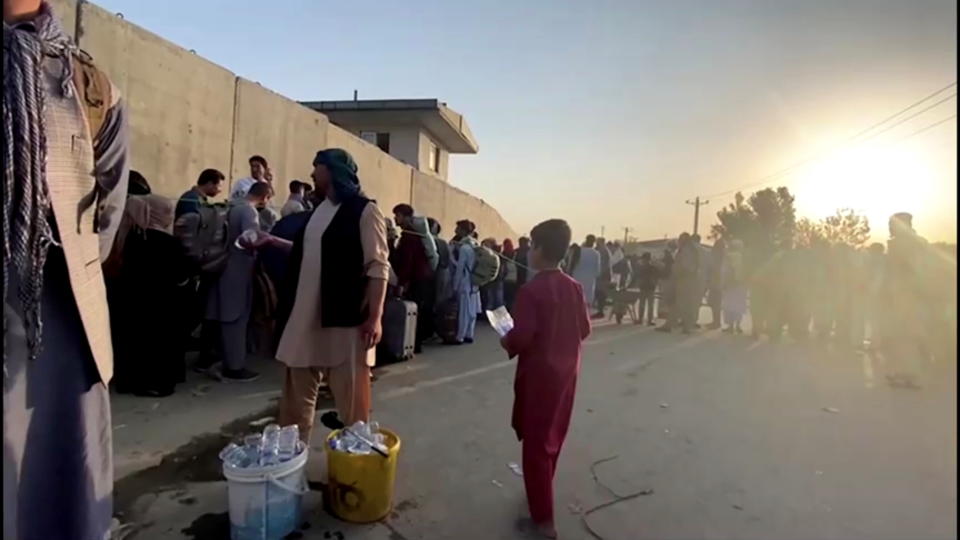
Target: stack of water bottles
{"x": 358, "y": 439}
{"x": 274, "y": 446}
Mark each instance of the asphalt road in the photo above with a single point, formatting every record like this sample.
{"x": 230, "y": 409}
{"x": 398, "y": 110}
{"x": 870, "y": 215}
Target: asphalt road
{"x": 729, "y": 438}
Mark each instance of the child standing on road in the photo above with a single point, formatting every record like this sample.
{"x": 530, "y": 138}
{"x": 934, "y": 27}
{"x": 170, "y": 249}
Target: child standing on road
{"x": 550, "y": 324}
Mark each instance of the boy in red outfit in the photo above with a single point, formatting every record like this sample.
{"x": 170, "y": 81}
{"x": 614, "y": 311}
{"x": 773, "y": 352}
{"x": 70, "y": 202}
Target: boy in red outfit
{"x": 550, "y": 324}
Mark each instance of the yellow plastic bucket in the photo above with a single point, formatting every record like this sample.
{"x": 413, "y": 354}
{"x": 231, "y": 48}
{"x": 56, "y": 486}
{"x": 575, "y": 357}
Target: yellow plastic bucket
{"x": 360, "y": 487}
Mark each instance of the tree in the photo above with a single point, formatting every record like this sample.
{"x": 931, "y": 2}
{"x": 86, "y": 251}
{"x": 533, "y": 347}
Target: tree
{"x": 737, "y": 220}
{"x": 764, "y": 223}
{"x": 808, "y": 233}
{"x": 846, "y": 227}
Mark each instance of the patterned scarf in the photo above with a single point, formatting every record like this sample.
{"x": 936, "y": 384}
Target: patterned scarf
{"x": 27, "y": 234}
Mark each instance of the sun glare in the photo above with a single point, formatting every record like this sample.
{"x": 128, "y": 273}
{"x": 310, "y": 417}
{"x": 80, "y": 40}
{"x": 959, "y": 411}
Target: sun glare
{"x": 874, "y": 180}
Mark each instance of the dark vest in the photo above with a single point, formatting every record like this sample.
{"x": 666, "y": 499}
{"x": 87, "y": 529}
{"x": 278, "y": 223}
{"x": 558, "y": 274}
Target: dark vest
{"x": 343, "y": 281}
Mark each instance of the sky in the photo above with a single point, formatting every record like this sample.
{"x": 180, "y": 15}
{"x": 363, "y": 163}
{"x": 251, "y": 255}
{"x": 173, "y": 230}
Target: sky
{"x": 612, "y": 114}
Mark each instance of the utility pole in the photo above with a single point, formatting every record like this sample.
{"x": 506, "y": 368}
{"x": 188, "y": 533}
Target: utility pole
{"x": 602, "y": 230}
{"x": 697, "y": 203}
{"x": 626, "y": 233}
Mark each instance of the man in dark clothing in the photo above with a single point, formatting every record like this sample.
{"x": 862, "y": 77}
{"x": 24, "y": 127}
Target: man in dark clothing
{"x": 521, "y": 258}
{"x": 686, "y": 268}
{"x": 414, "y": 275}
{"x": 666, "y": 285}
{"x": 208, "y": 185}
{"x": 645, "y": 277}
{"x": 714, "y": 276}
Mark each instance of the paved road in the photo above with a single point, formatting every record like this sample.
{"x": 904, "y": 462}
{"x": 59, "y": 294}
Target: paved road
{"x": 732, "y": 436}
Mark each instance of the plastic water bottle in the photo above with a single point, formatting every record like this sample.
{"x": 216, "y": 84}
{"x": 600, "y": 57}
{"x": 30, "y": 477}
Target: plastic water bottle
{"x": 270, "y": 446}
{"x": 287, "y": 442}
{"x": 235, "y": 456}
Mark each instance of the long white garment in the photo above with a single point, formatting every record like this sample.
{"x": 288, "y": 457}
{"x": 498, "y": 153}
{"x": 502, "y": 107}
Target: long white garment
{"x": 587, "y": 272}
{"x": 468, "y": 294}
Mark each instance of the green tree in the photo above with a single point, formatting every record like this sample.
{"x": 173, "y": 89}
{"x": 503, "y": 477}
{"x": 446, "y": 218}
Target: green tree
{"x": 766, "y": 221}
{"x": 808, "y": 233}
{"x": 846, "y": 227}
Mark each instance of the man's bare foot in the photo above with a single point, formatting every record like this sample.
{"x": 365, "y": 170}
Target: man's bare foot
{"x": 546, "y": 530}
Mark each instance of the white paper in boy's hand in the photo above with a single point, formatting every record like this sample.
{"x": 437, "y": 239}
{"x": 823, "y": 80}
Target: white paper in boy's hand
{"x": 500, "y": 320}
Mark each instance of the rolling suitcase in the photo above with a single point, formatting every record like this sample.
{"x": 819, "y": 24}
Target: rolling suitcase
{"x": 399, "y": 331}
{"x": 448, "y": 320}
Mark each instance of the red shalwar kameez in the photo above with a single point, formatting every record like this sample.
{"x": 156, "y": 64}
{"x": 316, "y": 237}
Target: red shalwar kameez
{"x": 550, "y": 324}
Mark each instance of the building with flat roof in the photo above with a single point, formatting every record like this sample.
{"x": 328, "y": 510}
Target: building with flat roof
{"x": 419, "y": 132}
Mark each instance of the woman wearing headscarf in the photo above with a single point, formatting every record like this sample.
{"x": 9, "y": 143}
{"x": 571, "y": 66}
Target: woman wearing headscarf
{"x": 152, "y": 286}
{"x": 330, "y": 308}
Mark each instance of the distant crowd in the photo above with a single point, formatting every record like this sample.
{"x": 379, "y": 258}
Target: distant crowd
{"x": 896, "y": 302}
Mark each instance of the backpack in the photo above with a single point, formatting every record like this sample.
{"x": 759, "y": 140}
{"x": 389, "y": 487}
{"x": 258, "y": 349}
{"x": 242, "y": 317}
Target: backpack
{"x": 204, "y": 236}
{"x": 443, "y": 254}
{"x": 94, "y": 91}
{"x": 422, "y": 229}
{"x": 95, "y": 94}
{"x": 487, "y": 267}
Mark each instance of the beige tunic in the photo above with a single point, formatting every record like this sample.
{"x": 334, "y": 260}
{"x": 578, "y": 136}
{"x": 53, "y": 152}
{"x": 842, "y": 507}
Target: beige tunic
{"x": 304, "y": 342}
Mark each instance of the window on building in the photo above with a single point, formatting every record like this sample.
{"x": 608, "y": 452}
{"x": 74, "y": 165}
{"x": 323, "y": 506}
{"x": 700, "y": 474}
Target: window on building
{"x": 378, "y": 139}
{"x": 434, "y": 158}
{"x": 383, "y": 141}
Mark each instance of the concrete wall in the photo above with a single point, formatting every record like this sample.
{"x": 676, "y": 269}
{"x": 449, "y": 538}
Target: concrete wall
{"x": 188, "y": 114}
{"x": 404, "y": 145}
{"x": 383, "y": 178}
{"x": 286, "y": 133}
{"x": 435, "y": 198}
{"x": 66, "y": 10}
{"x": 181, "y": 106}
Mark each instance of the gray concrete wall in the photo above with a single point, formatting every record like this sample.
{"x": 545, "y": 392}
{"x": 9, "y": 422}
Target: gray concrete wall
{"x": 404, "y": 145}
{"x": 188, "y": 114}
{"x": 66, "y": 10}
{"x": 435, "y": 198}
{"x": 286, "y": 133}
{"x": 181, "y": 106}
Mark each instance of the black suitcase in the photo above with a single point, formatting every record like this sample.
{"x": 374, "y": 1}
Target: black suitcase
{"x": 399, "y": 324}
{"x": 448, "y": 320}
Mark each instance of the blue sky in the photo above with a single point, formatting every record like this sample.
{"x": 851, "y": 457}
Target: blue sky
{"x": 612, "y": 113}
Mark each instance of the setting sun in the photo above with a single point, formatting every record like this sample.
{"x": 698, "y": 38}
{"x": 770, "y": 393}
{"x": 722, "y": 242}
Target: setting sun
{"x": 875, "y": 180}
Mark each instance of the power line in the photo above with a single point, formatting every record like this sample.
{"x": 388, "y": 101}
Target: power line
{"x": 770, "y": 178}
{"x": 911, "y": 117}
{"x": 915, "y": 104}
{"x": 928, "y": 127}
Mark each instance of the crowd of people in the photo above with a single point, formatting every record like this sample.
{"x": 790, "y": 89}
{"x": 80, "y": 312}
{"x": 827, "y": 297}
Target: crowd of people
{"x": 106, "y": 280}
{"x": 821, "y": 291}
